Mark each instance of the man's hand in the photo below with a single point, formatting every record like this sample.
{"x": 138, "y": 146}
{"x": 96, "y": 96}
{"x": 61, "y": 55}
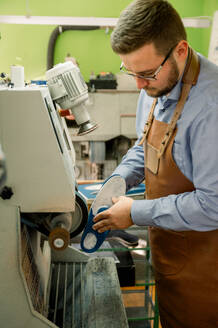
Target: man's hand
{"x": 116, "y": 217}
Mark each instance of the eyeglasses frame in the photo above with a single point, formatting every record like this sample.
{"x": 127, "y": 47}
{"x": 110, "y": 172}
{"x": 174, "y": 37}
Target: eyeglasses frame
{"x": 149, "y": 78}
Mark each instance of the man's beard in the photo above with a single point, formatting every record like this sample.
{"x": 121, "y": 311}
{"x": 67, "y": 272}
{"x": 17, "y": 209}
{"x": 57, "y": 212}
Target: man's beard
{"x": 171, "y": 82}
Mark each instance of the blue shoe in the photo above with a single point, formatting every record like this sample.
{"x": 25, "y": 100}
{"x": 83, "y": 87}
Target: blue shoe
{"x": 115, "y": 186}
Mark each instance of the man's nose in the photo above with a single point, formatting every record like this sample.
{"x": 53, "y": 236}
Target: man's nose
{"x": 141, "y": 83}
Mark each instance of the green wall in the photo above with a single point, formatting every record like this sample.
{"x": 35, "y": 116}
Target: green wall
{"x": 27, "y": 44}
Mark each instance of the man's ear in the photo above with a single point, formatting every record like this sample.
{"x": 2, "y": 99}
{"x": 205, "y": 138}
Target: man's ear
{"x": 181, "y": 51}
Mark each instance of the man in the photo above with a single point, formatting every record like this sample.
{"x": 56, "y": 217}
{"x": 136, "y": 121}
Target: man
{"x": 177, "y": 127}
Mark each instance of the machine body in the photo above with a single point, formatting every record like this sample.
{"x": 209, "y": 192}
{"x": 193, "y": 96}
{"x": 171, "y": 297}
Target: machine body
{"x": 46, "y": 282}
{"x": 2, "y": 169}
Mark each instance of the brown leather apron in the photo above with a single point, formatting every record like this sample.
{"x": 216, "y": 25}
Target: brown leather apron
{"x": 185, "y": 263}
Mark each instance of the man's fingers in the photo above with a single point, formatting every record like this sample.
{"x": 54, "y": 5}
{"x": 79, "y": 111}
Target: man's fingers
{"x": 102, "y": 226}
{"x": 100, "y": 216}
{"x": 115, "y": 200}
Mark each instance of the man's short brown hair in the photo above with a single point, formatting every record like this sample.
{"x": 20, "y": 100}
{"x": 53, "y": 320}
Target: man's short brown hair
{"x": 148, "y": 21}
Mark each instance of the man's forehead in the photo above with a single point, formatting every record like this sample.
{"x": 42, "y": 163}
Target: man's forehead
{"x": 142, "y": 60}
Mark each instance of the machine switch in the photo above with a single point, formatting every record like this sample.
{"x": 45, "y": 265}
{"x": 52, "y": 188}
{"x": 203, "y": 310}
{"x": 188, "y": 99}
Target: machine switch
{"x": 6, "y": 193}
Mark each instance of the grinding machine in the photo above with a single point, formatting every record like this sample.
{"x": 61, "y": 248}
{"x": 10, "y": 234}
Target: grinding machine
{"x": 45, "y": 281}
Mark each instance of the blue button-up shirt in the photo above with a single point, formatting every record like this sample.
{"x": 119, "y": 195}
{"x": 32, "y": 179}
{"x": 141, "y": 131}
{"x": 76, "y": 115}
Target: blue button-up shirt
{"x": 195, "y": 151}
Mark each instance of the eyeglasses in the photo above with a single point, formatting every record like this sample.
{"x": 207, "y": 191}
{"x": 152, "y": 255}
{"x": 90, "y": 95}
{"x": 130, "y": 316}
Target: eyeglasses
{"x": 144, "y": 77}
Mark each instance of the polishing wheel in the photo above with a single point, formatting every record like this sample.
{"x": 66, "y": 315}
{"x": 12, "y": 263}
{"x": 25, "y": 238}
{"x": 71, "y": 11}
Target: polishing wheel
{"x": 62, "y": 232}
{"x": 59, "y": 227}
{"x": 59, "y": 239}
